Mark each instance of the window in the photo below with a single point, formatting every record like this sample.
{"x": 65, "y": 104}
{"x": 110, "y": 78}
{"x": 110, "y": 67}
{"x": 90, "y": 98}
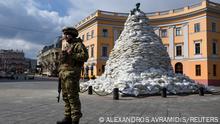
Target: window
{"x": 56, "y": 54}
{"x": 178, "y": 31}
{"x": 104, "y": 32}
{"x": 213, "y": 27}
{"x": 214, "y": 48}
{"x": 92, "y": 51}
{"x": 87, "y": 71}
{"x": 83, "y": 37}
{"x": 197, "y": 48}
{"x": 179, "y": 50}
{"x": 197, "y": 27}
{"x": 87, "y": 49}
{"x": 104, "y": 51}
{"x": 91, "y": 68}
{"x": 179, "y": 68}
{"x": 214, "y": 70}
{"x": 164, "y": 33}
{"x": 87, "y": 36}
{"x": 92, "y": 33}
{"x": 103, "y": 68}
{"x": 198, "y": 70}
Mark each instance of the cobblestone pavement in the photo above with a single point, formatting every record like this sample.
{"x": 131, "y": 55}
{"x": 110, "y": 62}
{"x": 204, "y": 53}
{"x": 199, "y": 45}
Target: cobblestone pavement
{"x": 34, "y": 102}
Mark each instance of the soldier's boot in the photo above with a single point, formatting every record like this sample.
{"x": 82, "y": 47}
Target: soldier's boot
{"x": 66, "y": 120}
{"x": 75, "y": 122}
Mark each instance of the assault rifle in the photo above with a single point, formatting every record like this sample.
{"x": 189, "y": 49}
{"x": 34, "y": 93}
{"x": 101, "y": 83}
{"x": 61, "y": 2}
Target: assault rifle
{"x": 59, "y": 90}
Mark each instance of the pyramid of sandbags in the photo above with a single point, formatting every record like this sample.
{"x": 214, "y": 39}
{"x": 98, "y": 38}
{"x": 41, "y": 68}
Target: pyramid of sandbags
{"x": 139, "y": 63}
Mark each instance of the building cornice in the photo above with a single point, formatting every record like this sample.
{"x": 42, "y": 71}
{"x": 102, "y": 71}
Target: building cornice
{"x": 92, "y": 20}
{"x": 179, "y": 16}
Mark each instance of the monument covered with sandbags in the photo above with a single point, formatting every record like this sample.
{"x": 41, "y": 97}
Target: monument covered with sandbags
{"x": 139, "y": 63}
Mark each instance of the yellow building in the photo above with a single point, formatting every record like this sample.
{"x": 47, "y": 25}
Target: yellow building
{"x": 191, "y": 35}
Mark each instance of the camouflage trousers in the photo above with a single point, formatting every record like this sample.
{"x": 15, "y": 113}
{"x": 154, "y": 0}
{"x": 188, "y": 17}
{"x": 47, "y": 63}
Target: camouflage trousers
{"x": 70, "y": 92}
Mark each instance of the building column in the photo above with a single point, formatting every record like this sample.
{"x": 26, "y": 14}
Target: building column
{"x": 94, "y": 70}
{"x": 171, "y": 42}
{"x": 186, "y": 40}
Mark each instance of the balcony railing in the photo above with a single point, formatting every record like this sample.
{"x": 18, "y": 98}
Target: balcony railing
{"x": 178, "y": 10}
{"x": 123, "y": 14}
{"x": 86, "y": 19}
{"x": 195, "y": 6}
{"x": 164, "y": 12}
{"x": 152, "y": 14}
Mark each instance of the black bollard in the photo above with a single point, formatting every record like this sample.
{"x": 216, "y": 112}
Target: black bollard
{"x": 164, "y": 92}
{"x": 115, "y": 94}
{"x": 201, "y": 91}
{"x": 90, "y": 90}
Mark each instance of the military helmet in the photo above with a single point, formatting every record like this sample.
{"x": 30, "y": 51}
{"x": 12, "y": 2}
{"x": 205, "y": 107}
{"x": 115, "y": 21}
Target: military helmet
{"x": 71, "y": 31}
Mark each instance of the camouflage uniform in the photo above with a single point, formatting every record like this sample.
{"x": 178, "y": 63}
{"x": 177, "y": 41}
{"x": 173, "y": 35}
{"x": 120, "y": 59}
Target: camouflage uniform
{"x": 74, "y": 54}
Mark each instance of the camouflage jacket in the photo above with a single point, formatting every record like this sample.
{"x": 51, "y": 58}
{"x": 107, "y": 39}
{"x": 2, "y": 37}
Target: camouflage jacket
{"x": 75, "y": 55}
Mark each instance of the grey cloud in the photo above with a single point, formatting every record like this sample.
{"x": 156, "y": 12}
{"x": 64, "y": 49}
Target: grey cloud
{"x": 23, "y": 23}
{"x": 30, "y": 49}
{"x": 17, "y": 22}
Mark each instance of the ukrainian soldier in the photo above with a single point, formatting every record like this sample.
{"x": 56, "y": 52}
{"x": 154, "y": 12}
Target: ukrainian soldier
{"x": 73, "y": 56}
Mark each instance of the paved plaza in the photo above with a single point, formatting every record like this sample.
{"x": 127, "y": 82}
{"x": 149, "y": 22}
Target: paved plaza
{"x": 34, "y": 102}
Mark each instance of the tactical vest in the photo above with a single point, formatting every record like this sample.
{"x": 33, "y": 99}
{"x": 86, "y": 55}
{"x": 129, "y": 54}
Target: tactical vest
{"x": 69, "y": 59}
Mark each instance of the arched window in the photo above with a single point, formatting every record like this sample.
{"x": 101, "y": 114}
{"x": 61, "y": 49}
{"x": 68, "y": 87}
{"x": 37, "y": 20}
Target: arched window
{"x": 179, "y": 68}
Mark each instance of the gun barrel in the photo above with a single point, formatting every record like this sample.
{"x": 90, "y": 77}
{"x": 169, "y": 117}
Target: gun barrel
{"x": 59, "y": 90}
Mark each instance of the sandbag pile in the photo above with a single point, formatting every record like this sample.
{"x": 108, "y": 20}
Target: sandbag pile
{"x": 139, "y": 63}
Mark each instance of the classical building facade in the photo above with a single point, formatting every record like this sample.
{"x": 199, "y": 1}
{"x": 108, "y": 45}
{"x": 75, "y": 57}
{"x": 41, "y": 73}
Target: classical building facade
{"x": 31, "y": 65}
{"x": 12, "y": 62}
{"x": 48, "y": 59}
{"x": 191, "y": 35}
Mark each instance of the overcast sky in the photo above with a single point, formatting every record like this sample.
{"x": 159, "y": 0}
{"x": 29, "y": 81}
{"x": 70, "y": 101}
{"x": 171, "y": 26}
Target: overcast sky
{"x": 29, "y": 25}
